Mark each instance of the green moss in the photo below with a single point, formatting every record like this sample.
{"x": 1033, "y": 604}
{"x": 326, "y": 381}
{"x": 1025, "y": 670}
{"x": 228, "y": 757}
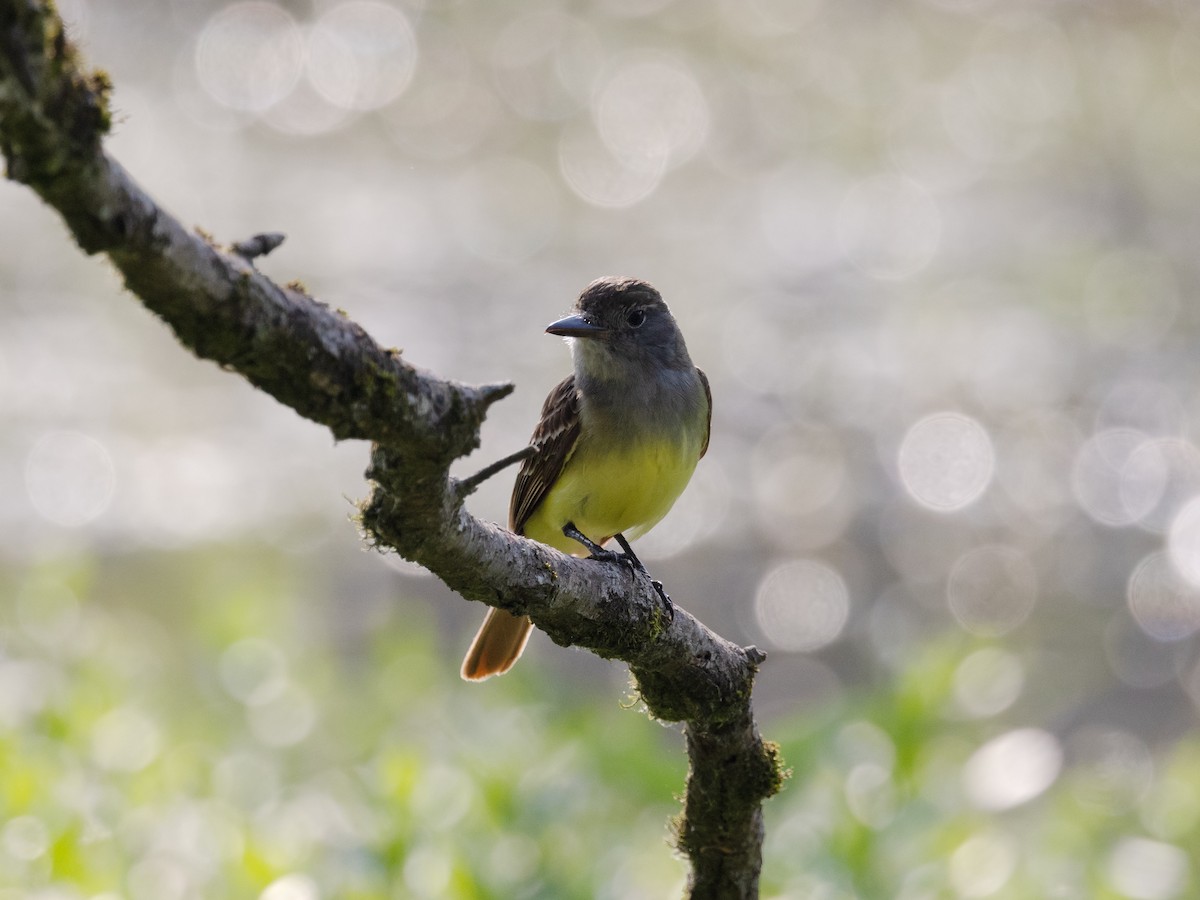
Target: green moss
{"x": 779, "y": 771}
{"x": 660, "y": 621}
{"x": 57, "y": 112}
{"x": 100, "y": 85}
{"x": 84, "y": 96}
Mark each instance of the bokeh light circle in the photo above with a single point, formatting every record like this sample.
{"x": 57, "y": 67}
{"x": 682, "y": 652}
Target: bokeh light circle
{"x": 600, "y": 178}
{"x": 294, "y": 886}
{"x": 798, "y": 470}
{"x": 284, "y": 720}
{"x": 1145, "y": 869}
{"x": 983, "y": 864}
{"x": 250, "y": 56}
{"x": 361, "y": 54}
{"x": 1135, "y": 658}
{"x": 125, "y": 740}
{"x": 1159, "y": 477}
{"x": 988, "y": 682}
{"x": 25, "y": 838}
{"x": 651, "y": 113}
{"x": 253, "y": 670}
{"x": 305, "y": 113}
{"x": 543, "y": 63}
{"x": 1183, "y": 541}
{"x": 1022, "y": 69}
{"x": 802, "y": 605}
{"x": 428, "y": 868}
{"x": 1096, "y": 475}
{"x": 946, "y": 461}
{"x": 247, "y": 779}
{"x": 1165, "y": 605}
{"x": 1112, "y": 769}
{"x": 70, "y": 478}
{"x": 1012, "y": 769}
{"x": 870, "y": 794}
{"x": 991, "y": 590}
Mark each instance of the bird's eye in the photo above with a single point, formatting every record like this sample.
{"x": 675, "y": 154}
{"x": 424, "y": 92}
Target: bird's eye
{"x": 635, "y": 318}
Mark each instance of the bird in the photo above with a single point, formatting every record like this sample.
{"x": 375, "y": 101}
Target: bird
{"x": 616, "y": 444}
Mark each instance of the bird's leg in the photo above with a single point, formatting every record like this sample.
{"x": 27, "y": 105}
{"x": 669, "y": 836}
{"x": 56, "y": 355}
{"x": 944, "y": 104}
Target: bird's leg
{"x": 596, "y": 551}
{"x": 637, "y": 564}
{"x": 628, "y": 557}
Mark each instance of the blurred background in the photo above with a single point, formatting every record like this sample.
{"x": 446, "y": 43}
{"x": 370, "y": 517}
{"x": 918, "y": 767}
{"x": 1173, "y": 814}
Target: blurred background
{"x": 936, "y": 257}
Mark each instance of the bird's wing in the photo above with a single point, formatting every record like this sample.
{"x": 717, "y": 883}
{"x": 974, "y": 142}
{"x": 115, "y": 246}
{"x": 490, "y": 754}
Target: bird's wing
{"x": 552, "y": 441}
{"x": 708, "y": 421}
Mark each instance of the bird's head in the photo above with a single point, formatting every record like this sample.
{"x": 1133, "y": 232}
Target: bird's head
{"x": 621, "y": 326}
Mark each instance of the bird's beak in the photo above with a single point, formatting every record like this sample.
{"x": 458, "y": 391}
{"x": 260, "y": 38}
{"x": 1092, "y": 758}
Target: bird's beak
{"x": 576, "y": 326}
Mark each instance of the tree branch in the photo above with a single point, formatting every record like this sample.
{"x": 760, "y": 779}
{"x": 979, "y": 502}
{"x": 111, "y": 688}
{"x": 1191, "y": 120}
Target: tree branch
{"x": 53, "y": 116}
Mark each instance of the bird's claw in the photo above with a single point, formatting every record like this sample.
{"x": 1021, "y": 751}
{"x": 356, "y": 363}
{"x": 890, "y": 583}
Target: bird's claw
{"x": 627, "y": 557}
{"x": 609, "y": 556}
{"x": 666, "y": 599}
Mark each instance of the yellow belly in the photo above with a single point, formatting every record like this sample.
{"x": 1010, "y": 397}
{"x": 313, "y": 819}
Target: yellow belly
{"x": 604, "y": 492}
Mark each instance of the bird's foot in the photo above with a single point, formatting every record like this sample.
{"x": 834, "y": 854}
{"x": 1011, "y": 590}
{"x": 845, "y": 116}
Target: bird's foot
{"x": 597, "y": 552}
{"x": 666, "y": 599}
{"x": 637, "y": 564}
{"x": 626, "y": 557}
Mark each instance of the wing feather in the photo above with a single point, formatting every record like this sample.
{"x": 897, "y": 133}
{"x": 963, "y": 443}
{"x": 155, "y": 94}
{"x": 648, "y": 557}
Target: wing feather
{"x": 553, "y": 440}
{"x": 708, "y": 420}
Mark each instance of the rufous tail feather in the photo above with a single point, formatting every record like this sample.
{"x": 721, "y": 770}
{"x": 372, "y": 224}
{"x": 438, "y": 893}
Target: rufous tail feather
{"x": 501, "y": 640}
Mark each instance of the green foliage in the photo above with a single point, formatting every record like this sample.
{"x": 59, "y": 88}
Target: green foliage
{"x": 191, "y": 725}
{"x": 887, "y": 800}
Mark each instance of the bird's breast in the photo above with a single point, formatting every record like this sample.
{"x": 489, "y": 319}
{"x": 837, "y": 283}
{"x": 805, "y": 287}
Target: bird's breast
{"x": 611, "y": 486}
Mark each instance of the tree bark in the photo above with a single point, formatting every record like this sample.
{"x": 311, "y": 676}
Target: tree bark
{"x": 53, "y": 116}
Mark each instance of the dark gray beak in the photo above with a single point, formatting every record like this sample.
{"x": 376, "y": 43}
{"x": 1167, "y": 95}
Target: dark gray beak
{"x": 576, "y": 326}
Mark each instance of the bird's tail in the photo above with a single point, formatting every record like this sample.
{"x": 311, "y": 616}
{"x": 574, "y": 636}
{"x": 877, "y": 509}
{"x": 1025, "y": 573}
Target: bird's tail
{"x": 501, "y": 640}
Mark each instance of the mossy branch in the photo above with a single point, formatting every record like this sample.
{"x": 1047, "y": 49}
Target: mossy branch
{"x": 53, "y": 117}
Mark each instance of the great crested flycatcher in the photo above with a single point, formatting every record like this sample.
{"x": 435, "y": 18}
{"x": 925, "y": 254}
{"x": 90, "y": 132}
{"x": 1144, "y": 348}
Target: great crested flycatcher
{"x": 616, "y": 444}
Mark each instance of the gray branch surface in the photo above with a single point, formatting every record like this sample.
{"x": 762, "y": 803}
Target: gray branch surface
{"x": 53, "y": 116}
